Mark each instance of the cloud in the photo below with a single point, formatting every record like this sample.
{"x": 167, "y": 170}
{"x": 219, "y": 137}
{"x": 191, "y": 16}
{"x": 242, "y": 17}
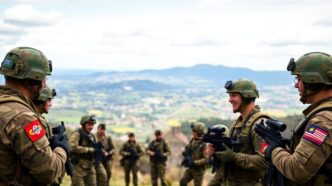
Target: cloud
{"x": 7, "y": 29}
{"x": 27, "y": 15}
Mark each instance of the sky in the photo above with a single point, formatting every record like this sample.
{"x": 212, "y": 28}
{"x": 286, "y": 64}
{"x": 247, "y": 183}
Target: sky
{"x": 119, "y": 35}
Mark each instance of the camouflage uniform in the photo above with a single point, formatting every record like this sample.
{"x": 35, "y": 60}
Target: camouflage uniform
{"x": 83, "y": 159}
{"x": 248, "y": 166}
{"x": 25, "y": 154}
{"x": 158, "y": 164}
{"x": 219, "y": 177}
{"x": 128, "y": 163}
{"x": 309, "y": 161}
{"x": 200, "y": 160}
{"x": 109, "y": 147}
{"x": 17, "y": 112}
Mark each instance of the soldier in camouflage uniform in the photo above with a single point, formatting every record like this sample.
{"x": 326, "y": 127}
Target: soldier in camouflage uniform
{"x": 309, "y": 160}
{"x": 109, "y": 148}
{"x": 43, "y": 104}
{"x": 218, "y": 178}
{"x": 26, "y": 157}
{"x": 245, "y": 165}
{"x": 197, "y": 161}
{"x": 158, "y": 150}
{"x": 83, "y": 155}
{"x": 131, "y": 152}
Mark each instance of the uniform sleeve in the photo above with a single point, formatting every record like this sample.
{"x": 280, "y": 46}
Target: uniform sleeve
{"x": 309, "y": 156}
{"x": 112, "y": 146}
{"x": 167, "y": 149}
{"x": 140, "y": 150}
{"x": 75, "y": 147}
{"x": 123, "y": 152}
{"x": 204, "y": 160}
{"x": 32, "y": 147}
{"x": 149, "y": 148}
{"x": 252, "y": 161}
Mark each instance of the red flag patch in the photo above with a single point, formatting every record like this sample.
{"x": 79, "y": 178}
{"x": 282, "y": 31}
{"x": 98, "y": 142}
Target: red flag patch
{"x": 315, "y": 135}
{"x": 263, "y": 147}
{"x": 34, "y": 130}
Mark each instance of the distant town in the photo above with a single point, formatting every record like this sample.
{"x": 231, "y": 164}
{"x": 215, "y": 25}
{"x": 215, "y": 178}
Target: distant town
{"x": 144, "y": 101}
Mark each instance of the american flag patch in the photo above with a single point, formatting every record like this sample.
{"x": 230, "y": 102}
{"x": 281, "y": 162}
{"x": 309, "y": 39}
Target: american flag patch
{"x": 315, "y": 134}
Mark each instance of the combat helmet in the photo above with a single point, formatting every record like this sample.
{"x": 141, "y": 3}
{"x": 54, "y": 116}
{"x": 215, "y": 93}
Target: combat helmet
{"x": 246, "y": 88}
{"x": 46, "y": 93}
{"x": 313, "y": 68}
{"x": 26, "y": 62}
{"x": 88, "y": 118}
{"x": 198, "y": 127}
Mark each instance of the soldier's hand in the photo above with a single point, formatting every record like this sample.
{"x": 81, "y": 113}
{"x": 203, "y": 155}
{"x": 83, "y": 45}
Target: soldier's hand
{"x": 227, "y": 155}
{"x": 91, "y": 150}
{"x": 268, "y": 150}
{"x": 210, "y": 150}
{"x": 63, "y": 143}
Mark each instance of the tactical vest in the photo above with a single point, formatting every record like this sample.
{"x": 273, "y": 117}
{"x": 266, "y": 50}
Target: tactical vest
{"x": 197, "y": 150}
{"x": 162, "y": 149}
{"x": 85, "y": 143}
{"x": 247, "y": 147}
{"x": 326, "y": 169}
{"x": 23, "y": 175}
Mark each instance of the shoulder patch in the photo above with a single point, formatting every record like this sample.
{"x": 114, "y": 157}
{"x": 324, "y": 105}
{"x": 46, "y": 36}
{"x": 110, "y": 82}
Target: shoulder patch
{"x": 34, "y": 130}
{"x": 315, "y": 134}
{"x": 264, "y": 145}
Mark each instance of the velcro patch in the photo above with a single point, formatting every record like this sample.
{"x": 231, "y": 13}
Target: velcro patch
{"x": 34, "y": 130}
{"x": 315, "y": 134}
{"x": 263, "y": 147}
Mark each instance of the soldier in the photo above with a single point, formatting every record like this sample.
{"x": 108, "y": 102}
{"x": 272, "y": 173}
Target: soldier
{"x": 83, "y": 143}
{"x": 43, "y": 104}
{"x": 218, "y": 178}
{"x": 245, "y": 165}
{"x": 131, "y": 152}
{"x": 26, "y": 157}
{"x": 195, "y": 159}
{"x": 309, "y": 160}
{"x": 158, "y": 150}
{"x": 108, "y": 147}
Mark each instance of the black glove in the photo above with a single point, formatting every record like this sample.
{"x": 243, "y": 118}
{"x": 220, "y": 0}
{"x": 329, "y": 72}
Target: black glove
{"x": 268, "y": 150}
{"x": 63, "y": 143}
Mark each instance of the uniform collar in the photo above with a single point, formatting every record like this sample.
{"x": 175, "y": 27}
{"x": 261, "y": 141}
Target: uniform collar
{"x": 241, "y": 121}
{"x": 315, "y": 105}
{"x": 5, "y": 90}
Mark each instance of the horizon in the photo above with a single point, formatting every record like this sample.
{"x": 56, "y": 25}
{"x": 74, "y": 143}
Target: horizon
{"x": 127, "y": 35}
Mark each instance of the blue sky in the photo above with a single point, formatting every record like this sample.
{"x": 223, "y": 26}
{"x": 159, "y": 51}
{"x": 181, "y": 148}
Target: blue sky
{"x": 156, "y": 34}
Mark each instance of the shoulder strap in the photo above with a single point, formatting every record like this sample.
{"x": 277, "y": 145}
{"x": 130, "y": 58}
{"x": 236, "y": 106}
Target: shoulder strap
{"x": 249, "y": 124}
{"x": 81, "y": 136}
{"x": 300, "y": 129}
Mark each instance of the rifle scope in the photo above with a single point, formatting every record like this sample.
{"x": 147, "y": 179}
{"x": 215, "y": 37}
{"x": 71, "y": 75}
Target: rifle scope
{"x": 276, "y": 125}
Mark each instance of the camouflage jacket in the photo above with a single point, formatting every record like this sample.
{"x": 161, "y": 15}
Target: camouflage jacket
{"x": 108, "y": 145}
{"x": 24, "y": 147}
{"x": 249, "y": 161}
{"x": 130, "y": 149}
{"x": 161, "y": 147}
{"x": 196, "y": 148}
{"x": 309, "y": 161}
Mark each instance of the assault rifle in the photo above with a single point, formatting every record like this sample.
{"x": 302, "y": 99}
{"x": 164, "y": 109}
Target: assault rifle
{"x": 270, "y": 131}
{"x": 216, "y": 136}
{"x": 158, "y": 156}
{"x": 58, "y": 133}
{"x": 187, "y": 158}
{"x": 99, "y": 153}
